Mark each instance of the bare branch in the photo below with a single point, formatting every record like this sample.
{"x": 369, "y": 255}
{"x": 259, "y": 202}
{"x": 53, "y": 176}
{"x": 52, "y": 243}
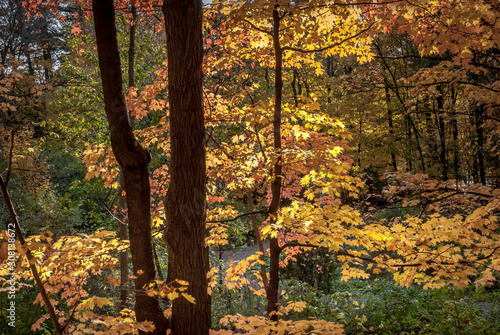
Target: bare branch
{"x": 328, "y": 46}
{"x": 239, "y": 216}
{"x": 9, "y": 169}
{"x": 259, "y": 29}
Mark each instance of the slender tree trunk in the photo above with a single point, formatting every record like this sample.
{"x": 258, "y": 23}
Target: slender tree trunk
{"x": 454, "y": 127}
{"x": 360, "y": 134}
{"x": 272, "y": 291}
{"x": 409, "y": 159}
{"x": 255, "y": 226}
{"x": 133, "y": 160}
{"x": 478, "y": 112}
{"x": 391, "y": 126}
{"x": 294, "y": 88}
{"x": 131, "y": 48}
{"x": 58, "y": 328}
{"x": 456, "y": 157}
{"x": 124, "y": 282}
{"x": 442, "y": 134}
{"x": 46, "y": 52}
{"x": 419, "y": 147}
{"x": 185, "y": 203}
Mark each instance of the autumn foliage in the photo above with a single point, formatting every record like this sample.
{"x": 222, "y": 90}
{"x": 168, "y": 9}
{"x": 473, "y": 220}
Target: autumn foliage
{"x": 320, "y": 118}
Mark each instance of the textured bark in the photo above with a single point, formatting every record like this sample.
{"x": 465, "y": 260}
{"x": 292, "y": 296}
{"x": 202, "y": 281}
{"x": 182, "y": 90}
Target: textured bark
{"x": 185, "y": 204}
{"x": 133, "y": 160}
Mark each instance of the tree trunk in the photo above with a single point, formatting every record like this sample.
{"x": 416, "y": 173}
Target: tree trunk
{"x": 272, "y": 291}
{"x": 123, "y": 201}
{"x": 478, "y": 112}
{"x": 124, "y": 282}
{"x": 58, "y": 328}
{"x": 185, "y": 203}
{"x": 131, "y": 48}
{"x": 417, "y": 141}
{"x": 133, "y": 160}
{"x": 391, "y": 126}
{"x": 409, "y": 158}
{"x": 442, "y": 134}
{"x": 454, "y": 126}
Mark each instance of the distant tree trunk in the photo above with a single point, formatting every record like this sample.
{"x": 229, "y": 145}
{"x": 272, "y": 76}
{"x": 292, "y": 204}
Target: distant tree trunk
{"x": 46, "y": 52}
{"x": 360, "y": 133}
{"x": 409, "y": 159}
{"x": 131, "y": 48}
{"x": 185, "y": 203}
{"x": 133, "y": 160}
{"x": 442, "y": 133}
{"x": 123, "y": 202}
{"x": 391, "y": 126}
{"x": 417, "y": 141}
{"x": 454, "y": 127}
{"x": 478, "y": 112}
{"x": 294, "y": 88}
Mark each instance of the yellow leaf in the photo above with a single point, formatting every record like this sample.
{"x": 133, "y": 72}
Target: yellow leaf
{"x": 102, "y": 302}
{"x": 182, "y": 282}
{"x": 172, "y": 295}
{"x": 189, "y": 298}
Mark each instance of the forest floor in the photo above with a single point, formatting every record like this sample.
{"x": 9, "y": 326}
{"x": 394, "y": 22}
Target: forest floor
{"x": 242, "y": 253}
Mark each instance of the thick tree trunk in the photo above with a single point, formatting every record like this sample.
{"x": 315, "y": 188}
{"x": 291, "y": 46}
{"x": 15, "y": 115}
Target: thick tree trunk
{"x": 185, "y": 204}
{"x": 133, "y": 160}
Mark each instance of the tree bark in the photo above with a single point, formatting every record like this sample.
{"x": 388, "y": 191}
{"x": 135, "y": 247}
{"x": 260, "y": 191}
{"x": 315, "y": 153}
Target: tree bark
{"x": 185, "y": 203}
{"x": 133, "y": 160}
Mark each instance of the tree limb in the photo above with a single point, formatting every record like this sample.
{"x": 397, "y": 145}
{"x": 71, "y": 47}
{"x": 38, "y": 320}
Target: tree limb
{"x": 239, "y": 216}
